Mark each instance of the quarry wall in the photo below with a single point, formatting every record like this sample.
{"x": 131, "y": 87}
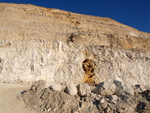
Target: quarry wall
{"x": 60, "y": 46}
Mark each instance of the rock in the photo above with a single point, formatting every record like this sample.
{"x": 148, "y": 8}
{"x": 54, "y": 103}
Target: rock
{"x": 94, "y": 97}
{"x": 55, "y": 52}
{"x": 139, "y": 88}
{"x": 103, "y": 100}
{"x": 119, "y": 88}
{"x": 56, "y": 87}
{"x": 128, "y": 88}
{"x": 103, "y": 105}
{"x": 112, "y": 106}
{"x": 114, "y": 98}
{"x": 86, "y": 104}
{"x": 108, "y": 110}
{"x": 71, "y": 89}
{"x": 106, "y": 88}
{"x": 83, "y": 89}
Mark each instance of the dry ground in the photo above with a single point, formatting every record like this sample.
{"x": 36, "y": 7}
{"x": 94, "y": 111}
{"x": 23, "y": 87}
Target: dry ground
{"x": 8, "y": 98}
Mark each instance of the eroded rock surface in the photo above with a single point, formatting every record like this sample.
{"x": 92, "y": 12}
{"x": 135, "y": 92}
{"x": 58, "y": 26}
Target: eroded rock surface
{"x": 59, "y": 46}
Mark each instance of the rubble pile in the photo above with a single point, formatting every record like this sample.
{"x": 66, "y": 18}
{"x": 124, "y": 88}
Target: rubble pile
{"x": 86, "y": 99}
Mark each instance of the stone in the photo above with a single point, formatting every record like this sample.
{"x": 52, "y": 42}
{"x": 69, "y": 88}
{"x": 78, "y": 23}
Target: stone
{"x": 119, "y": 88}
{"x": 108, "y": 110}
{"x": 83, "y": 89}
{"x": 56, "y": 87}
{"x": 98, "y": 97}
{"x": 103, "y": 100}
{"x": 114, "y": 98}
{"x": 104, "y": 105}
{"x": 112, "y": 106}
{"x": 71, "y": 89}
{"x": 106, "y": 88}
{"x": 94, "y": 96}
{"x": 128, "y": 88}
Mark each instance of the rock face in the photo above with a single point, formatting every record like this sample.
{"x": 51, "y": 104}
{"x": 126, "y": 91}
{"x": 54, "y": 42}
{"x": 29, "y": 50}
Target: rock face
{"x": 59, "y": 46}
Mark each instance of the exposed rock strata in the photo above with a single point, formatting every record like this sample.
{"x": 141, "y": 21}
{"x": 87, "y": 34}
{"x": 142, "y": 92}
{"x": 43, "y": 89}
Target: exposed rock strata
{"x": 51, "y": 44}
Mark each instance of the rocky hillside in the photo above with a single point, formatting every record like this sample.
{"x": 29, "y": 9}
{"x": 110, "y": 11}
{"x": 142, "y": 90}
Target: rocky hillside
{"x": 60, "y": 46}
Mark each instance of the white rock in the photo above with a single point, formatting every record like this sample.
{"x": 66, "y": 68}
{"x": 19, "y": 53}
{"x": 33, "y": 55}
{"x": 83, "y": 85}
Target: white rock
{"x": 104, "y": 105}
{"x": 102, "y": 100}
{"x": 114, "y": 98}
{"x": 106, "y": 88}
{"x": 71, "y": 89}
{"x": 56, "y": 87}
{"x": 51, "y": 57}
{"x": 83, "y": 89}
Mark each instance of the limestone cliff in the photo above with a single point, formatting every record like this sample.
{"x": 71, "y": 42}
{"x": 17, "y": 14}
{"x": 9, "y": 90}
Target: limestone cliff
{"x": 55, "y": 45}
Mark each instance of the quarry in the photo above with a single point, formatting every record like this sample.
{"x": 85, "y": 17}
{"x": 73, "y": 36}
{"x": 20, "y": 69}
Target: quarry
{"x": 72, "y": 63}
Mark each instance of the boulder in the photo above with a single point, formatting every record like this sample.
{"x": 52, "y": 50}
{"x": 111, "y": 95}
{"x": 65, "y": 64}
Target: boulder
{"x": 106, "y": 88}
{"x": 83, "y": 89}
{"x": 71, "y": 89}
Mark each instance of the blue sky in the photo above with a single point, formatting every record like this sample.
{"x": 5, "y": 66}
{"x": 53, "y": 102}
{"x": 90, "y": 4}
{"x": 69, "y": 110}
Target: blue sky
{"x": 134, "y": 13}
